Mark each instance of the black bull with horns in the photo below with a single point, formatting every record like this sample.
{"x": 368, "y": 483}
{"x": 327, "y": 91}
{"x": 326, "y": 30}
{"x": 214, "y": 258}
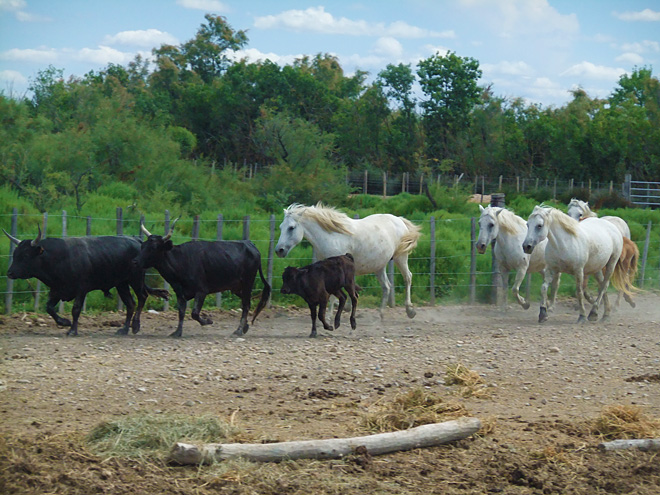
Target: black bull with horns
{"x": 73, "y": 266}
{"x": 197, "y": 268}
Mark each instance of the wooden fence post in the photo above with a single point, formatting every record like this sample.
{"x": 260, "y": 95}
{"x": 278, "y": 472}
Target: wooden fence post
{"x": 9, "y": 296}
{"x": 645, "y": 255}
{"x": 246, "y": 228}
{"x": 120, "y": 231}
{"x": 218, "y": 236}
{"x": 384, "y": 184}
{"x": 271, "y": 254}
{"x": 88, "y": 229}
{"x": 473, "y": 259}
{"x": 366, "y": 179}
{"x": 64, "y": 233}
{"x": 38, "y": 290}
{"x": 390, "y": 275}
{"x": 499, "y": 187}
{"x": 432, "y": 263}
{"x": 194, "y": 235}
{"x": 166, "y": 229}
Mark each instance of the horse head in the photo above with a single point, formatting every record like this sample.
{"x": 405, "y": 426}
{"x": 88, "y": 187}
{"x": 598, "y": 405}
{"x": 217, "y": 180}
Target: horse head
{"x": 291, "y": 233}
{"x": 537, "y": 228}
{"x": 488, "y": 227}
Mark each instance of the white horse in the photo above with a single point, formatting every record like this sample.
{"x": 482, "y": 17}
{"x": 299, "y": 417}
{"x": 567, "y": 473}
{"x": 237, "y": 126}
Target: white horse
{"x": 508, "y": 231}
{"x": 590, "y": 247}
{"x": 373, "y": 241}
{"x": 579, "y": 209}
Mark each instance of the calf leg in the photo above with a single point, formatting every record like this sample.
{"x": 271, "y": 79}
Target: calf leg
{"x": 312, "y": 309}
{"x": 182, "y": 303}
{"x": 125, "y": 295}
{"x": 342, "y": 301}
{"x": 352, "y": 293}
{"x": 322, "y": 307}
{"x": 51, "y": 304}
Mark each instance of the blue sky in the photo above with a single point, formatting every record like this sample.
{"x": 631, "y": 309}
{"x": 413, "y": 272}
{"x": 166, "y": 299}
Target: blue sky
{"x": 535, "y": 49}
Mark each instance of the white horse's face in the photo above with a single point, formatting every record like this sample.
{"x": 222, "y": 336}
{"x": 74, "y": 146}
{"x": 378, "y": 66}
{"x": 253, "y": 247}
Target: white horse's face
{"x": 488, "y": 230}
{"x": 291, "y": 233}
{"x": 537, "y": 231}
{"x": 574, "y": 211}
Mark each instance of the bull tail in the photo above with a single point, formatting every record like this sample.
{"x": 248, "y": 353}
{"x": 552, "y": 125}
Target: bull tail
{"x": 265, "y": 296}
{"x": 626, "y": 270}
{"x": 408, "y": 241}
{"x": 162, "y": 293}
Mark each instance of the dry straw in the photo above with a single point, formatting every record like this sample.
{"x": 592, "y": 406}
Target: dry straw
{"x": 625, "y": 422}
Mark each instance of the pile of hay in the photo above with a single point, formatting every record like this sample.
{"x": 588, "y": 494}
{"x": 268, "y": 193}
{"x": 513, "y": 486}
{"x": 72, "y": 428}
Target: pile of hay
{"x": 625, "y": 422}
{"x": 470, "y": 382}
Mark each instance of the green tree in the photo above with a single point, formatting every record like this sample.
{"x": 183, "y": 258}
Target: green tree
{"x": 450, "y": 85}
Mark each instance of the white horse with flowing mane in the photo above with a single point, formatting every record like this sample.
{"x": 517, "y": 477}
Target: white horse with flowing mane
{"x": 579, "y": 209}
{"x": 508, "y": 231}
{"x": 590, "y": 247}
{"x": 372, "y": 241}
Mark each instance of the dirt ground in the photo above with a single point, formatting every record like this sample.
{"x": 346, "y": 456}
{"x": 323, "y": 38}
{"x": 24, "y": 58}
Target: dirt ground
{"x": 546, "y": 382}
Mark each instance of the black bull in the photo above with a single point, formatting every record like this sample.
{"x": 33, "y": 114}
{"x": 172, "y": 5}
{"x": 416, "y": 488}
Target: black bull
{"x": 197, "y": 268}
{"x": 74, "y": 266}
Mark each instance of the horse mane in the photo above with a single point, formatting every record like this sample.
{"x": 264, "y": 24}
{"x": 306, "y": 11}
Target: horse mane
{"x": 328, "y": 218}
{"x": 584, "y": 208}
{"x": 554, "y": 215}
{"x": 509, "y": 222}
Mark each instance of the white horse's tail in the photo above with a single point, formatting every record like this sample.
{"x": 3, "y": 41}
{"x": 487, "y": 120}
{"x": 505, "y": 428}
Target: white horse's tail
{"x": 408, "y": 241}
{"x": 626, "y": 269}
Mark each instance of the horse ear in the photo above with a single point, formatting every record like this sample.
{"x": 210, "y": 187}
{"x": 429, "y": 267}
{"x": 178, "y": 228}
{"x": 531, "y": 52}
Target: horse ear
{"x": 481, "y": 208}
{"x": 497, "y": 213}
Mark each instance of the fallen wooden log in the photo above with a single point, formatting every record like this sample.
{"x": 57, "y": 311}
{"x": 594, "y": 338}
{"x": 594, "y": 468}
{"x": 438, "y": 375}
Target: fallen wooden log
{"x": 382, "y": 443}
{"x": 643, "y": 444}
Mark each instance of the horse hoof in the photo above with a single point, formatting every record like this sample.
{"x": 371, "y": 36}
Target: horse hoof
{"x": 543, "y": 315}
{"x": 239, "y": 332}
{"x": 525, "y": 305}
{"x": 410, "y": 311}
{"x": 582, "y": 319}
{"x": 593, "y": 316}
{"x": 605, "y": 318}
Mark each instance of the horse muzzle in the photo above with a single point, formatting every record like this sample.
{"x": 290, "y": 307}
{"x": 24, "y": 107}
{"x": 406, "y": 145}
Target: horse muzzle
{"x": 481, "y": 248}
{"x": 528, "y": 248}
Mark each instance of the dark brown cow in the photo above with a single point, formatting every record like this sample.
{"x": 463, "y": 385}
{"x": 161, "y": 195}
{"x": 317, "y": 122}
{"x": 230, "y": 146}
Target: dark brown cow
{"x": 315, "y": 283}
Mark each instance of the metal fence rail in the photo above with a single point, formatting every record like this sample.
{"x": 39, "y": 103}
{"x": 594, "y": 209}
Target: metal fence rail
{"x": 439, "y": 266}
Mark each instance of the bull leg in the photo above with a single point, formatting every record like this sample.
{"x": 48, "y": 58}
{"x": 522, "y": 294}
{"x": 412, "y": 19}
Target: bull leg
{"x": 125, "y": 295}
{"x": 75, "y": 313}
{"x": 323, "y": 304}
{"x": 402, "y": 264}
{"x": 51, "y": 304}
{"x": 197, "y": 309}
{"x": 142, "y": 294}
{"x": 342, "y": 301}
{"x": 182, "y": 303}
{"x": 312, "y": 309}
{"x": 243, "y": 325}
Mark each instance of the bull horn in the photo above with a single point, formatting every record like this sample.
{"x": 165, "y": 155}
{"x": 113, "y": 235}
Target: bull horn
{"x": 36, "y": 241}
{"x": 144, "y": 229}
{"x": 169, "y": 234}
{"x": 12, "y": 238}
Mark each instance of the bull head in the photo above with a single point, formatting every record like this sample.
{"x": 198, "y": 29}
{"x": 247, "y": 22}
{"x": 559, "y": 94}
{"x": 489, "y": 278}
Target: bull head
{"x": 169, "y": 234}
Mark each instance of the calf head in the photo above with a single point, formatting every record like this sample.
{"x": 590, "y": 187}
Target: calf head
{"x": 290, "y": 280}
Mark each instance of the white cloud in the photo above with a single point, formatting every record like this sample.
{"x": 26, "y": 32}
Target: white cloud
{"x": 388, "y": 47}
{"x": 254, "y": 55}
{"x": 42, "y": 55}
{"x": 146, "y": 38}
{"x": 630, "y": 58}
{"x": 512, "y": 17}
{"x": 647, "y": 15}
{"x": 12, "y": 5}
{"x": 12, "y": 77}
{"x": 593, "y": 71}
{"x": 207, "y": 5}
{"x": 518, "y": 68}
{"x": 317, "y": 20}
{"x": 641, "y": 47}
{"x": 103, "y": 55}
{"x": 436, "y": 49}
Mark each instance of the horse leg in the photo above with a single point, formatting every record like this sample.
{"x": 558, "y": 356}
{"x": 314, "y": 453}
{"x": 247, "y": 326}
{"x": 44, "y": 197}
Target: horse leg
{"x": 554, "y": 286}
{"x": 381, "y": 275}
{"x": 579, "y": 288}
{"x": 547, "y": 279}
{"x": 402, "y": 263}
{"x": 520, "y": 276}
